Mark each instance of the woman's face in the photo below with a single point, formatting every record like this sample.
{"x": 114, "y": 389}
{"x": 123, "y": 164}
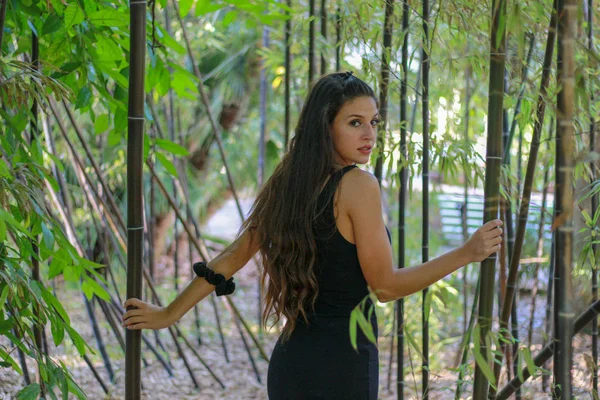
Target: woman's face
{"x": 354, "y": 131}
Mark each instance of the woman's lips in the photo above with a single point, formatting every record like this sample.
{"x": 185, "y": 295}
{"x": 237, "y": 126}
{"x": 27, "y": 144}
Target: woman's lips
{"x": 365, "y": 150}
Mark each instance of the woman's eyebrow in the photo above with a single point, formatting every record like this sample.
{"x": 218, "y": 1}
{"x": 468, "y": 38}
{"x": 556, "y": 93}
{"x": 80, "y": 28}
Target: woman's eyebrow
{"x": 360, "y": 116}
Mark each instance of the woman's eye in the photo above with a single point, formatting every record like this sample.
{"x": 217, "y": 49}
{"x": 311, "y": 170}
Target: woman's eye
{"x": 355, "y": 123}
{"x": 375, "y": 122}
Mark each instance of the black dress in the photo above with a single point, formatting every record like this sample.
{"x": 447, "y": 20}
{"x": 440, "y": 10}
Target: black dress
{"x": 318, "y": 361}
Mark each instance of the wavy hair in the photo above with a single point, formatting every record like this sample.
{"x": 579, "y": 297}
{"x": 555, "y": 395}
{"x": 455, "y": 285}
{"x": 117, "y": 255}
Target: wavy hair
{"x": 286, "y": 206}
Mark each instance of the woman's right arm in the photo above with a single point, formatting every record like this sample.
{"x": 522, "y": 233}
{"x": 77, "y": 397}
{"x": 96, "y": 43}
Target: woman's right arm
{"x": 362, "y": 201}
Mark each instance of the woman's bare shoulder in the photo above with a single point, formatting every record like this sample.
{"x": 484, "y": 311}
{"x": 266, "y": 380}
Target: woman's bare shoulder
{"x": 360, "y": 188}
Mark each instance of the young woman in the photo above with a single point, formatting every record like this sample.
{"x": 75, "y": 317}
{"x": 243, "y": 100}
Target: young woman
{"x": 317, "y": 223}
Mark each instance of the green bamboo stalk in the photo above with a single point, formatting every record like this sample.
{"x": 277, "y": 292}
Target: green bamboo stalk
{"x": 595, "y": 203}
{"x": 425, "y": 168}
{"x": 402, "y": 198}
{"x": 563, "y": 310}
{"x": 492, "y": 197}
{"x": 388, "y": 25}
{"x": 288, "y": 69}
{"x": 547, "y": 352}
{"x": 312, "y": 58}
{"x": 324, "y": 36}
{"x": 526, "y": 197}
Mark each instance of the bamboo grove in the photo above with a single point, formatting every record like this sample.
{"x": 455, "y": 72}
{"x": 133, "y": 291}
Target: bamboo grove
{"x": 126, "y": 125}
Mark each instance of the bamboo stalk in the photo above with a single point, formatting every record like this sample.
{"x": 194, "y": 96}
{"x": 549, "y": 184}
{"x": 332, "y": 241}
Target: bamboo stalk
{"x": 3, "y": 4}
{"x": 493, "y": 160}
{"x": 98, "y": 336}
{"x": 95, "y": 373}
{"x": 38, "y": 330}
{"x": 135, "y": 193}
{"x": 524, "y": 73}
{"x": 563, "y": 310}
{"x": 510, "y": 234}
{"x": 261, "y": 154}
{"x": 547, "y": 352}
{"x": 539, "y": 251}
{"x": 288, "y": 69}
{"x": 324, "y": 36}
{"x": 338, "y": 38}
{"x": 312, "y": 58}
{"x": 402, "y": 199}
{"x": 425, "y": 220}
{"x": 388, "y": 25}
{"x": 549, "y": 294}
{"x": 464, "y": 346}
{"x": 527, "y": 189}
{"x": 595, "y": 204}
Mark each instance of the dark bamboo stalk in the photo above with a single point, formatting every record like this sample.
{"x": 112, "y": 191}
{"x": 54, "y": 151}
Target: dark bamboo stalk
{"x": 338, "y": 39}
{"x": 563, "y": 310}
{"x": 3, "y": 4}
{"x": 324, "y": 35}
{"x": 465, "y": 205}
{"x": 595, "y": 203}
{"x": 425, "y": 168}
{"x": 402, "y": 198}
{"x": 95, "y": 373}
{"x": 98, "y": 336}
{"x": 261, "y": 154}
{"x": 388, "y": 25}
{"x": 288, "y": 69}
{"x": 245, "y": 342}
{"x": 35, "y": 265}
{"x": 510, "y": 234}
{"x": 23, "y": 362}
{"x": 312, "y": 58}
{"x": 524, "y": 73}
{"x": 391, "y": 355}
{"x": 492, "y": 198}
{"x": 547, "y": 352}
{"x": 527, "y": 189}
{"x": 135, "y": 157}
{"x": 539, "y": 250}
{"x": 464, "y": 346}
{"x": 549, "y": 294}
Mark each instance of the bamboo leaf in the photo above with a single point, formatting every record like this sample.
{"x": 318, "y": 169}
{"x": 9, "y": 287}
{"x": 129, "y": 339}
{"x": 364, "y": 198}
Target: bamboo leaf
{"x": 184, "y": 7}
{"x": 109, "y": 17}
{"x": 366, "y": 327}
{"x": 6, "y": 359}
{"x": 481, "y": 362}
{"x": 353, "y": 323}
{"x": 29, "y": 392}
{"x": 172, "y": 147}
{"x": 166, "y": 163}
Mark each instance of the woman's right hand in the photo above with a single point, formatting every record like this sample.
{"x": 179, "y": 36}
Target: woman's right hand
{"x": 485, "y": 241}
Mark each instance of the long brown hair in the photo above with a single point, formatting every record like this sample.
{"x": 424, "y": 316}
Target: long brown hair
{"x": 286, "y": 206}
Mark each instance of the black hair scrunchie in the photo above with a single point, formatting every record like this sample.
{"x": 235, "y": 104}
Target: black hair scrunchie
{"x": 223, "y": 287}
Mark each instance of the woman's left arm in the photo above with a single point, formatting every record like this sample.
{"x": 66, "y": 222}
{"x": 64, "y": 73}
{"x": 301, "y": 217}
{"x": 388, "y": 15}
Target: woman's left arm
{"x": 227, "y": 263}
